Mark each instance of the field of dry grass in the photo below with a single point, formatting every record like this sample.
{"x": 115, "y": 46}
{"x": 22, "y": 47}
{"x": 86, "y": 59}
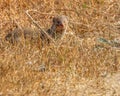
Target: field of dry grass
{"x": 86, "y": 62}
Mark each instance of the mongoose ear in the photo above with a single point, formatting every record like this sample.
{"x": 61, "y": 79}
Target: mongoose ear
{"x": 54, "y": 19}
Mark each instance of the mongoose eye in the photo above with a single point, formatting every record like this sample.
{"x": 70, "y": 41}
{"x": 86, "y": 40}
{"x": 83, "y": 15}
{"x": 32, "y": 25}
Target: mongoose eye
{"x": 59, "y": 23}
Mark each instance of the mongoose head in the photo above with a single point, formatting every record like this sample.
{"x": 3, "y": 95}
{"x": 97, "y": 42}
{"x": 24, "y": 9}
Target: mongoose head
{"x": 59, "y": 26}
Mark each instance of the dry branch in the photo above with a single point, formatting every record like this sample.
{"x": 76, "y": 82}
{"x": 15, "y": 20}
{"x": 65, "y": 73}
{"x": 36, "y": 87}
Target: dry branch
{"x": 38, "y": 26}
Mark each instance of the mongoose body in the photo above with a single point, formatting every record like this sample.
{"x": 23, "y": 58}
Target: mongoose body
{"x": 26, "y": 33}
{"x": 58, "y": 28}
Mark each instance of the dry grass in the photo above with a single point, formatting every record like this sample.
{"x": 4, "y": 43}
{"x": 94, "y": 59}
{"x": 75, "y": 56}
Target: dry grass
{"x": 78, "y": 65}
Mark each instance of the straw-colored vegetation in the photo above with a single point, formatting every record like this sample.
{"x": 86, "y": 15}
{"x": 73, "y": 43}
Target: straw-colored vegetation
{"x": 85, "y": 62}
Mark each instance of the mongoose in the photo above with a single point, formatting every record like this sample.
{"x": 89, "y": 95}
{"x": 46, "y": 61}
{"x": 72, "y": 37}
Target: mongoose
{"x": 58, "y": 28}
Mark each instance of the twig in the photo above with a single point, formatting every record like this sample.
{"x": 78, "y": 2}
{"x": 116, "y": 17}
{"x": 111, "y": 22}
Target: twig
{"x": 39, "y": 12}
